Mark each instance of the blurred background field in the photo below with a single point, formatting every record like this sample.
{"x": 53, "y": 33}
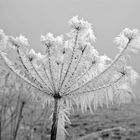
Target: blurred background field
{"x": 126, "y": 117}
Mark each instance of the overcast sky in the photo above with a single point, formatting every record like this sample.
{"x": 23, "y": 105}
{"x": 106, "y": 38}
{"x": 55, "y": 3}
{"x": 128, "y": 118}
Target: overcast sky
{"x": 35, "y": 17}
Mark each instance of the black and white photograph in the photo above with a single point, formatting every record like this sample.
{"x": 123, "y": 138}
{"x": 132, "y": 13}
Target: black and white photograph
{"x": 69, "y": 69}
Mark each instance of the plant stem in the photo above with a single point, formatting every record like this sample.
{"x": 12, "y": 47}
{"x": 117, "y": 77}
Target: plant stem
{"x": 0, "y": 122}
{"x": 18, "y": 121}
{"x": 55, "y": 120}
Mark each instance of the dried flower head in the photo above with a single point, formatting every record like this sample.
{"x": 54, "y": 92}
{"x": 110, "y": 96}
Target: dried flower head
{"x": 129, "y": 36}
{"x": 78, "y": 24}
{"x": 20, "y": 41}
{"x": 48, "y": 40}
{"x": 31, "y": 55}
{"x": 83, "y": 27}
{"x": 3, "y": 40}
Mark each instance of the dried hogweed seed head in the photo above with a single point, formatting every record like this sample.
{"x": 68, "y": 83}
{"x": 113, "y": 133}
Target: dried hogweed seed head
{"x": 59, "y": 40}
{"x": 83, "y": 27}
{"x": 131, "y": 37}
{"x": 31, "y": 55}
{"x": 48, "y": 40}
{"x": 130, "y": 34}
{"x": 78, "y": 24}
{"x": 3, "y": 40}
{"x": 20, "y": 41}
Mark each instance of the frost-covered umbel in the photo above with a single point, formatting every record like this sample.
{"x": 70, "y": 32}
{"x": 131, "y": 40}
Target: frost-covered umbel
{"x": 71, "y": 72}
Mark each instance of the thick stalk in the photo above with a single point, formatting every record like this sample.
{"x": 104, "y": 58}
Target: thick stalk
{"x": 0, "y": 122}
{"x": 19, "y": 120}
{"x": 55, "y": 120}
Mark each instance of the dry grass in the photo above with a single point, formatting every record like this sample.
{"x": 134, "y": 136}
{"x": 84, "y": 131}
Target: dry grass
{"x": 125, "y": 116}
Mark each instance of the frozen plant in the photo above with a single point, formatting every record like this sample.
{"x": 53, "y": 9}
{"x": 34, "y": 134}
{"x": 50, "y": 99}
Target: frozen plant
{"x": 72, "y": 74}
{"x": 15, "y": 103}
